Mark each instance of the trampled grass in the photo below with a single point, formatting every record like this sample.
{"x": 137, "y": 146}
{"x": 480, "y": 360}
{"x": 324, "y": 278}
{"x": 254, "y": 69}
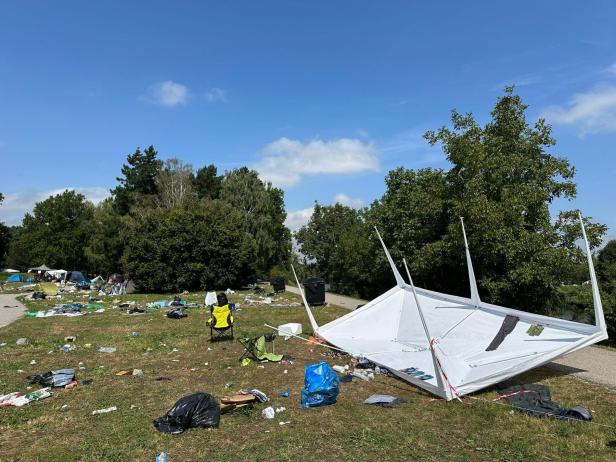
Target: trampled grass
{"x": 425, "y": 429}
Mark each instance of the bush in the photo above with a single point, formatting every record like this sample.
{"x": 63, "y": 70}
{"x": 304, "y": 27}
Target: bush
{"x": 188, "y": 249}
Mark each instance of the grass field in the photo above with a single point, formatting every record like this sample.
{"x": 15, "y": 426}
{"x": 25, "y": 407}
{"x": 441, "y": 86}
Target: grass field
{"x": 424, "y": 429}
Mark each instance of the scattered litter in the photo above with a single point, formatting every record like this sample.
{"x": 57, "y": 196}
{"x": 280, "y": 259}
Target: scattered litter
{"x": 134, "y": 372}
{"x": 58, "y": 378}
{"x": 229, "y": 291}
{"x": 210, "y": 299}
{"x": 199, "y": 410}
{"x": 258, "y": 394}
{"x": 176, "y": 313}
{"x": 280, "y": 409}
{"x": 33, "y": 362}
{"x": 17, "y": 399}
{"x": 268, "y": 413}
{"x": 135, "y": 334}
{"x": 536, "y": 401}
{"x": 285, "y": 394}
{"x": 2, "y": 344}
{"x": 67, "y": 348}
{"x": 70, "y": 338}
{"x": 161, "y": 457}
{"x": 21, "y": 341}
{"x": 107, "y": 349}
{"x": 105, "y": 411}
{"x": 228, "y": 385}
{"x": 283, "y": 423}
{"x": 385, "y": 400}
{"x": 246, "y": 361}
{"x": 64, "y": 406}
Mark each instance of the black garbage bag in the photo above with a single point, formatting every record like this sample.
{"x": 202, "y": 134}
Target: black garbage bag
{"x": 176, "y": 313}
{"x": 194, "y": 411}
{"x": 536, "y": 401}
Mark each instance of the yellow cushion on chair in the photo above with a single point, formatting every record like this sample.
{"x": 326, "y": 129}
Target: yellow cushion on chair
{"x": 221, "y": 317}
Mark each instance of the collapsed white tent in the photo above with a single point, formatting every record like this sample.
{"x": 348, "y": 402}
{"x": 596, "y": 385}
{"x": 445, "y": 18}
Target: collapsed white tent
{"x": 438, "y": 342}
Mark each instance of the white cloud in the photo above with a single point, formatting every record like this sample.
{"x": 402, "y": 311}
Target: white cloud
{"x": 295, "y": 220}
{"x": 591, "y": 112}
{"x": 611, "y": 69}
{"x": 353, "y": 202}
{"x": 167, "y": 93}
{"x": 15, "y": 205}
{"x": 285, "y": 161}
{"x": 216, "y": 94}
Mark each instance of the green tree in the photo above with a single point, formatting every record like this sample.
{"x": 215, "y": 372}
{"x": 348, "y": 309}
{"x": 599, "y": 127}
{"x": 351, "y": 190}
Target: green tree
{"x": 5, "y": 237}
{"x": 55, "y": 234}
{"x": 207, "y": 183}
{"x": 502, "y": 181}
{"x": 263, "y": 216}
{"x": 174, "y": 183}
{"x": 202, "y": 247}
{"x": 320, "y": 239}
{"x": 411, "y": 213}
{"x": 139, "y": 178}
{"x": 105, "y": 244}
{"x": 606, "y": 273}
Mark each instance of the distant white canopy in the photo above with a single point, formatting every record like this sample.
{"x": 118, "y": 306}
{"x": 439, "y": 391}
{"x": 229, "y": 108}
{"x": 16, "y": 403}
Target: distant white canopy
{"x": 39, "y": 268}
{"x": 452, "y": 346}
{"x": 10, "y": 271}
{"x": 58, "y": 274}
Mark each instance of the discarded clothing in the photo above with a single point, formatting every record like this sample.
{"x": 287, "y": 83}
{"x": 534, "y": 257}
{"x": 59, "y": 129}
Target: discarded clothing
{"x": 199, "y": 410}
{"x": 535, "y": 400}
{"x": 176, "y": 313}
{"x": 258, "y": 394}
{"x": 58, "y": 378}
{"x": 506, "y": 328}
{"x": 320, "y": 385}
{"x": 385, "y": 400}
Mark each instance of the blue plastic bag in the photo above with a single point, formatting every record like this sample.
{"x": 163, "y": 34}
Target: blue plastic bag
{"x": 320, "y": 385}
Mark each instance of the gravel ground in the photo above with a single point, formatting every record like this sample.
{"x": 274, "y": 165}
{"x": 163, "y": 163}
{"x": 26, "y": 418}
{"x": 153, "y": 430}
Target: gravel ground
{"x": 8, "y": 315}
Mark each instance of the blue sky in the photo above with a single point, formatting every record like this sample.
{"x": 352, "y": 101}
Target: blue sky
{"x": 323, "y": 98}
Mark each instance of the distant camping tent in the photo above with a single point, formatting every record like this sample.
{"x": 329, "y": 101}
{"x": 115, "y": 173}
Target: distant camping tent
{"x": 452, "y": 346}
{"x": 19, "y": 278}
{"x": 75, "y": 276}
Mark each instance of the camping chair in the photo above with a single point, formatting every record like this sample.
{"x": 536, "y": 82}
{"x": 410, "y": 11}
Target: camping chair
{"x": 221, "y": 323}
{"x": 255, "y": 348}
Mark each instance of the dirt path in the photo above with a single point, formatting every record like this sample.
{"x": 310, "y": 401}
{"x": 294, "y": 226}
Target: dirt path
{"x": 593, "y": 364}
{"x": 14, "y": 311}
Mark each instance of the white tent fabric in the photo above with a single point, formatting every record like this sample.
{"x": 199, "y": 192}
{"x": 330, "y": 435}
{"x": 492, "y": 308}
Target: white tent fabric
{"x": 58, "y": 274}
{"x": 438, "y": 342}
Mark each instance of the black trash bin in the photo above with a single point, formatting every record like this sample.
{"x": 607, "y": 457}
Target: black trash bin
{"x": 278, "y": 284}
{"x": 314, "y": 289}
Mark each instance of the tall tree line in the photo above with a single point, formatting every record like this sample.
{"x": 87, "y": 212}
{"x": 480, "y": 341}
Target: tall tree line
{"x": 166, "y": 226}
{"x": 503, "y": 181}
